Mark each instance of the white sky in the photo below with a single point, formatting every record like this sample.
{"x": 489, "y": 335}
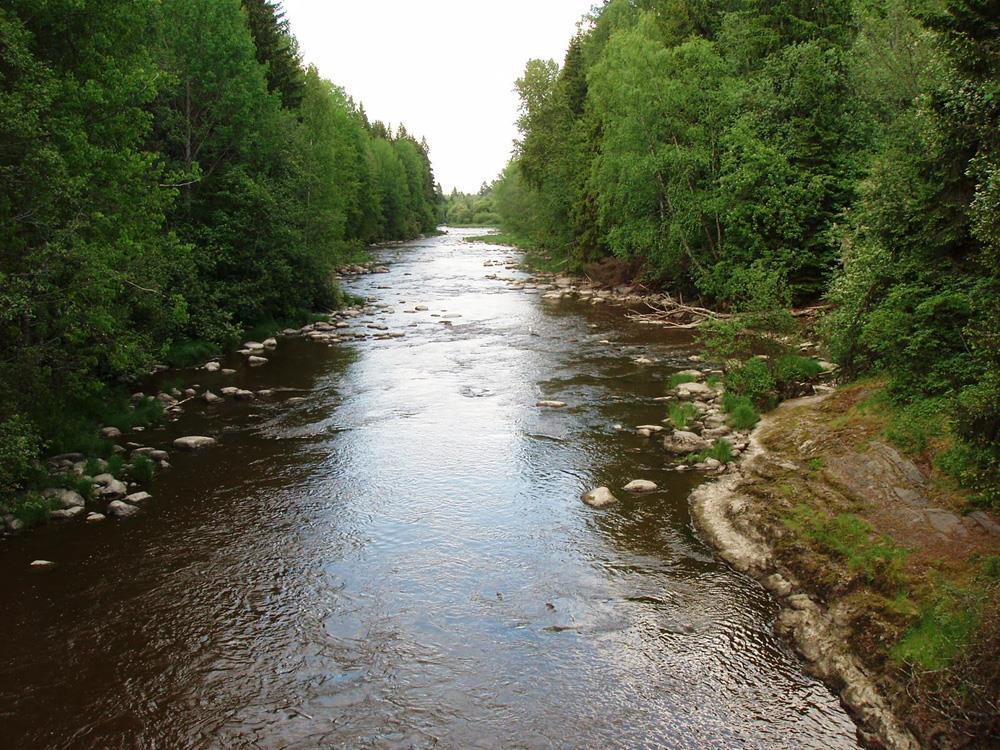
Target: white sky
{"x": 444, "y": 68}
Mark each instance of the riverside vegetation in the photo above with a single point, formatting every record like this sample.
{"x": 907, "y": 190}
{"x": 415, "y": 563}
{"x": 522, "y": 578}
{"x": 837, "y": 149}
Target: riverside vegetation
{"x": 171, "y": 177}
{"x": 842, "y": 157}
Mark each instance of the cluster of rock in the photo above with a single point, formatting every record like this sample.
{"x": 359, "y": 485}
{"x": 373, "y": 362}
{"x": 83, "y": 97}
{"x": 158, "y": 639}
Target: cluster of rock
{"x": 601, "y": 497}
{"x": 360, "y": 269}
{"x": 706, "y": 426}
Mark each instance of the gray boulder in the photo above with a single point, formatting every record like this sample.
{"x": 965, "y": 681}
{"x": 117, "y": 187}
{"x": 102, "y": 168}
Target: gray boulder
{"x": 680, "y": 442}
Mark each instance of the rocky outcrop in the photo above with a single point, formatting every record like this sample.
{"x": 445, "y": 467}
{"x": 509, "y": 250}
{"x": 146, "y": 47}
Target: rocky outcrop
{"x": 723, "y": 513}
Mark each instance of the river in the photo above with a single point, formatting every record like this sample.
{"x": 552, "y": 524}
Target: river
{"x": 400, "y": 559}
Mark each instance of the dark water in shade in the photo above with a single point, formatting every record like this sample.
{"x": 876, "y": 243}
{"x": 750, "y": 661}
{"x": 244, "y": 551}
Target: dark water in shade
{"x": 401, "y": 560}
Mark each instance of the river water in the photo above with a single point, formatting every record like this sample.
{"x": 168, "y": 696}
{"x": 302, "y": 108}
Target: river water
{"x": 401, "y": 559}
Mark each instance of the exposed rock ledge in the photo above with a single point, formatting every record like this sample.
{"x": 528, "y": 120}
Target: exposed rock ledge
{"x": 719, "y": 510}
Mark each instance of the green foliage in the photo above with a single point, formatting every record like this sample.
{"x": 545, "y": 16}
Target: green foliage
{"x": 116, "y": 464}
{"x": 32, "y": 509}
{"x": 142, "y": 469}
{"x": 19, "y": 447}
{"x": 875, "y": 557}
{"x": 171, "y": 175}
{"x": 680, "y": 414}
{"x": 465, "y": 210}
{"x": 753, "y": 380}
{"x": 721, "y": 451}
{"x": 741, "y": 411}
{"x": 790, "y": 368}
{"x": 946, "y": 626}
{"x": 915, "y": 426}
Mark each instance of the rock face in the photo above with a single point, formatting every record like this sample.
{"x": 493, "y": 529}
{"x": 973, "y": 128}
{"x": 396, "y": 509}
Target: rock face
{"x": 194, "y": 442}
{"x": 599, "y": 498}
{"x": 680, "y": 442}
{"x": 551, "y": 404}
{"x": 65, "y": 498}
{"x": 639, "y": 486}
{"x": 119, "y": 509}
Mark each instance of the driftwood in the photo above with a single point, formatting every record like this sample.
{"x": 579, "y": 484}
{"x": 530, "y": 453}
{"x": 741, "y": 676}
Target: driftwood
{"x": 671, "y": 313}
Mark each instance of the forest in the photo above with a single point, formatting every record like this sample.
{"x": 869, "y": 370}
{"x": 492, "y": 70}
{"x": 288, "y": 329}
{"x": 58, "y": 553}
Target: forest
{"x": 755, "y": 155}
{"x": 171, "y": 176}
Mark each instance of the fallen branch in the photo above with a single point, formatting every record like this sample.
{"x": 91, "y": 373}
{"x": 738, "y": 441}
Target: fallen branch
{"x": 673, "y": 314}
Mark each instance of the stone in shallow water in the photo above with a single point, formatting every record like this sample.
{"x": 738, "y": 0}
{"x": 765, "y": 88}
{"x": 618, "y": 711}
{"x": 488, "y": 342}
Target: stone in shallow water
{"x": 65, "y": 514}
{"x": 42, "y": 564}
{"x": 255, "y": 361}
{"x": 680, "y": 442}
{"x": 137, "y": 497}
{"x": 194, "y": 442}
{"x": 119, "y": 509}
{"x": 551, "y": 404}
{"x": 599, "y": 497}
{"x": 640, "y": 485}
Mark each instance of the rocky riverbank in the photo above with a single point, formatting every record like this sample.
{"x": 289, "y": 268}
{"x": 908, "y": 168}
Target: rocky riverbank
{"x": 849, "y": 537}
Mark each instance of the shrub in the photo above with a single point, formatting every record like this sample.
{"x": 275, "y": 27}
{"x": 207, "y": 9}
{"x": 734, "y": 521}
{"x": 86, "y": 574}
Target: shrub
{"x": 142, "y": 469}
{"x": 20, "y": 445}
{"x": 115, "y": 465}
{"x": 32, "y": 509}
{"x": 721, "y": 451}
{"x": 680, "y": 414}
{"x": 743, "y": 417}
{"x": 915, "y": 426}
{"x": 791, "y": 368}
{"x": 189, "y": 352}
{"x": 753, "y": 380}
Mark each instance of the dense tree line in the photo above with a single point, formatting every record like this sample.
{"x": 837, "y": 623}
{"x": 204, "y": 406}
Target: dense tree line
{"x": 170, "y": 175}
{"x": 470, "y": 209}
{"x": 844, "y": 151}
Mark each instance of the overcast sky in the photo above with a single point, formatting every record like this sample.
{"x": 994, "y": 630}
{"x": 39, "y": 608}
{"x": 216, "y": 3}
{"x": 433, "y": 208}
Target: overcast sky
{"x": 445, "y": 68}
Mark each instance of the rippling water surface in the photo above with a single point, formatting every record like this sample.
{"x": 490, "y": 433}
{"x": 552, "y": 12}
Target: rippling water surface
{"x": 401, "y": 559}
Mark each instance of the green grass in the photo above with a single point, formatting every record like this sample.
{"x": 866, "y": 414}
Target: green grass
{"x": 876, "y": 557}
{"x": 945, "y": 627}
{"x": 815, "y": 464}
{"x": 721, "y": 451}
{"x": 32, "y": 509}
{"x": 115, "y": 465}
{"x": 190, "y": 352}
{"x": 680, "y": 414}
{"x": 142, "y": 469}
{"x": 791, "y": 368}
{"x": 741, "y": 411}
